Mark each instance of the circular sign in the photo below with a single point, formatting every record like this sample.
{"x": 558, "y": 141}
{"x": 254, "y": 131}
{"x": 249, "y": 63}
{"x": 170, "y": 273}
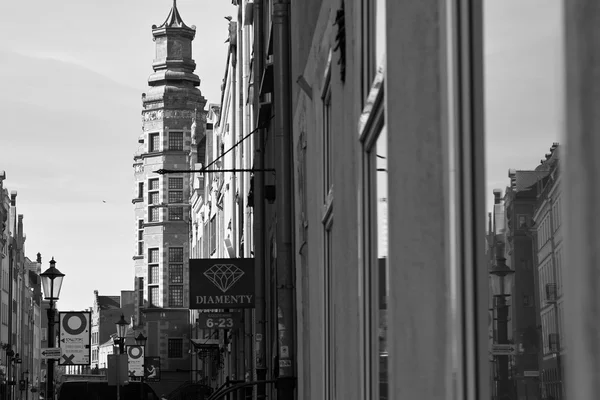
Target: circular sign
{"x": 135, "y": 352}
{"x": 79, "y": 326}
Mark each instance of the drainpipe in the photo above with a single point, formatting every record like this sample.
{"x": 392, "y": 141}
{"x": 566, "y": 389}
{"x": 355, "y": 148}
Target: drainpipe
{"x": 282, "y": 134}
{"x": 259, "y": 208}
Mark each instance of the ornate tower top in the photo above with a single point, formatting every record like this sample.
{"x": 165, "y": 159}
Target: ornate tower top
{"x": 173, "y": 63}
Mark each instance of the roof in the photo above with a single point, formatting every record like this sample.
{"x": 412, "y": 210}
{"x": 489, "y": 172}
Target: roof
{"x": 109, "y": 302}
{"x": 174, "y": 19}
{"x": 526, "y": 179}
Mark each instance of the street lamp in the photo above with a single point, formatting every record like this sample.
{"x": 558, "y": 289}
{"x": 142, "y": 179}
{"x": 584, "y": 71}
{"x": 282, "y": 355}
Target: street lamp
{"x": 52, "y": 280}
{"x": 121, "y": 332}
{"x": 502, "y": 278}
{"x": 140, "y": 340}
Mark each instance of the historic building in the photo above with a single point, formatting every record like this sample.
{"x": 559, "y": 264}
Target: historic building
{"x": 172, "y": 116}
{"x": 548, "y": 229}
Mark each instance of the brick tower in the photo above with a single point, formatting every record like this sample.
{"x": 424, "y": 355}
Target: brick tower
{"x": 171, "y": 109}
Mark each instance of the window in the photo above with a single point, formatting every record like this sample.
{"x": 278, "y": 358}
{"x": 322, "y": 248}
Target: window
{"x": 153, "y": 296}
{"x": 154, "y": 142}
{"x": 176, "y": 273}
{"x": 175, "y": 254}
{"x": 175, "y": 196}
{"x": 175, "y": 213}
{"x": 152, "y": 255}
{"x": 140, "y": 237}
{"x": 153, "y": 184}
{"x": 176, "y": 296}
{"x": 153, "y": 214}
{"x": 153, "y": 198}
{"x": 175, "y": 348}
{"x": 176, "y": 141}
{"x": 175, "y": 183}
{"x": 140, "y": 190}
{"x": 152, "y": 274}
{"x": 140, "y": 291}
{"x": 373, "y": 40}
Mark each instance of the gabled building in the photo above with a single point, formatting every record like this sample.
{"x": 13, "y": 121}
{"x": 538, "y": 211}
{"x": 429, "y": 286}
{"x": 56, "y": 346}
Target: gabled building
{"x": 105, "y": 312}
{"x": 172, "y": 116}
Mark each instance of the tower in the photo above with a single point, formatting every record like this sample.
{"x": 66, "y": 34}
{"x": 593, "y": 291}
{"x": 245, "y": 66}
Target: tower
{"x": 171, "y": 109}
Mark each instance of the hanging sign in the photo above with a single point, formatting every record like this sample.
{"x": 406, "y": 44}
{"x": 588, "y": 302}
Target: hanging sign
{"x": 74, "y": 337}
{"x": 135, "y": 360}
{"x": 221, "y": 283}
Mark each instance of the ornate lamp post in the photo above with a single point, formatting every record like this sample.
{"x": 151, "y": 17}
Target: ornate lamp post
{"x": 121, "y": 333}
{"x": 502, "y": 278}
{"x": 52, "y": 280}
{"x": 140, "y": 340}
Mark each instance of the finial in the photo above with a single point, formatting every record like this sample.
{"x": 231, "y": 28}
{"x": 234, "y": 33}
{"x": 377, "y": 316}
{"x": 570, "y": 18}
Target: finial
{"x": 174, "y": 3}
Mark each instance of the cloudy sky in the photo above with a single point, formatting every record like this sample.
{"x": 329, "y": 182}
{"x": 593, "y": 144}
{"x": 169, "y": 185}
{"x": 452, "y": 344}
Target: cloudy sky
{"x": 73, "y": 74}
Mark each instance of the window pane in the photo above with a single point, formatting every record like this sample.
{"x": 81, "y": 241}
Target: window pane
{"x": 153, "y": 274}
{"x": 175, "y": 349}
{"x": 176, "y": 296}
{"x": 175, "y": 183}
{"x": 154, "y": 142}
{"x": 175, "y": 213}
{"x": 153, "y": 198}
{"x": 153, "y": 297}
{"x": 152, "y": 255}
{"x": 175, "y": 141}
{"x": 175, "y": 196}
{"x": 154, "y": 214}
{"x": 175, "y": 254}
{"x": 153, "y": 183}
{"x": 176, "y": 273}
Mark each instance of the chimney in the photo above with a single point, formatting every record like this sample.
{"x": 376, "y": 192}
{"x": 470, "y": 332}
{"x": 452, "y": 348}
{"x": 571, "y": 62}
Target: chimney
{"x": 39, "y": 258}
{"x": 13, "y": 198}
{"x": 512, "y": 174}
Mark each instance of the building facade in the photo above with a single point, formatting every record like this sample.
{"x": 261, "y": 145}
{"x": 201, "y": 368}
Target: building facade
{"x": 548, "y": 228}
{"x": 106, "y": 311}
{"x": 172, "y": 106}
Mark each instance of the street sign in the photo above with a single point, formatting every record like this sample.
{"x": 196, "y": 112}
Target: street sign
{"x": 503, "y": 349}
{"x": 51, "y": 353}
{"x": 219, "y": 320}
{"x": 74, "y": 337}
{"x": 135, "y": 360}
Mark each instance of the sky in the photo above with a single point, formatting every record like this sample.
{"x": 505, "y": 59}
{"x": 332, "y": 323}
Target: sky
{"x": 73, "y": 74}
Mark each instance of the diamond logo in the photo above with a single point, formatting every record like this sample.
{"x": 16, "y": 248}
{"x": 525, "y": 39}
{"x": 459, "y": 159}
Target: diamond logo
{"x": 224, "y": 276}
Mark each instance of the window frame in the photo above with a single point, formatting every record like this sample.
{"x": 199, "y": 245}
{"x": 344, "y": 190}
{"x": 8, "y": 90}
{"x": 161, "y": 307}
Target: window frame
{"x": 154, "y": 141}
{"x": 175, "y": 144}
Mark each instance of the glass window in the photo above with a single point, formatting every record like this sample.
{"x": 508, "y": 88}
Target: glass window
{"x": 175, "y": 254}
{"x": 175, "y": 140}
{"x": 175, "y": 183}
{"x": 153, "y": 184}
{"x": 153, "y": 296}
{"x": 175, "y": 196}
{"x": 153, "y": 274}
{"x": 176, "y": 296}
{"x": 154, "y": 214}
{"x": 153, "y": 198}
{"x": 175, "y": 273}
{"x": 154, "y": 142}
{"x": 152, "y": 255}
{"x": 175, "y": 348}
{"x": 175, "y": 213}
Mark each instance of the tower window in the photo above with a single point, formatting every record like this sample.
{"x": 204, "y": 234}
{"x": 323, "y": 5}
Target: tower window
{"x": 175, "y": 213}
{"x": 153, "y": 183}
{"x": 175, "y": 349}
{"x": 176, "y": 273}
{"x": 140, "y": 237}
{"x": 154, "y": 142}
{"x": 153, "y": 274}
{"x": 153, "y": 214}
{"x": 175, "y": 183}
{"x": 153, "y": 295}
{"x": 153, "y": 256}
{"x": 153, "y": 198}
{"x": 175, "y": 254}
{"x": 175, "y": 196}
{"x": 176, "y": 296}
{"x": 140, "y": 190}
{"x": 176, "y": 141}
